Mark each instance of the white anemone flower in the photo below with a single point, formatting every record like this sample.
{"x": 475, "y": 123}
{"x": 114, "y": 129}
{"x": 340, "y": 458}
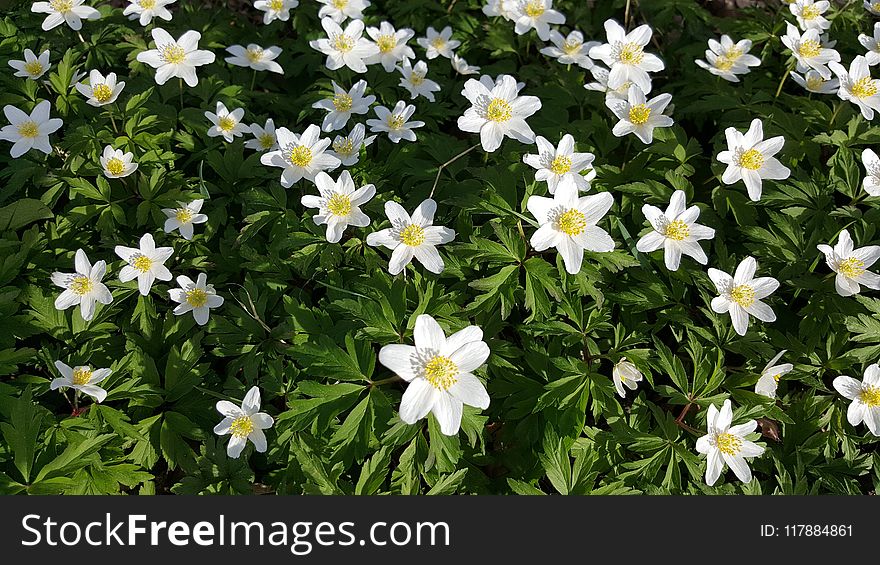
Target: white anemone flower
{"x": 340, "y": 10}
{"x": 345, "y": 48}
{"x": 32, "y": 67}
{"x": 392, "y": 46}
{"x": 537, "y": 15}
{"x": 462, "y": 67}
{"x": 244, "y": 423}
{"x": 264, "y": 137}
{"x": 499, "y": 8}
{"x": 865, "y": 396}
{"x": 81, "y": 379}
{"x": 571, "y": 49}
{"x": 28, "y": 132}
{"x": 412, "y": 236}
{"x": 601, "y": 74}
{"x": 83, "y": 287}
{"x": 871, "y": 182}
{"x": 100, "y": 90}
{"x": 808, "y": 51}
{"x": 438, "y": 370}
{"x": 395, "y": 122}
{"x": 676, "y": 230}
{"x": 727, "y": 444}
{"x": 809, "y": 14}
{"x": 624, "y": 53}
{"x": 226, "y": 124}
{"x": 343, "y": 104}
{"x": 347, "y": 148}
{"x": 813, "y": 82}
{"x": 415, "y": 82}
{"x": 176, "y": 57}
{"x": 339, "y": 204}
{"x": 146, "y": 263}
{"x": 184, "y": 218}
{"x": 438, "y": 44}
{"x": 858, "y": 87}
{"x": 851, "y": 265}
{"x": 728, "y": 59}
{"x": 871, "y": 43}
{"x": 561, "y": 164}
{"x": 638, "y": 115}
{"x": 116, "y": 163}
{"x": 497, "y": 111}
{"x": 625, "y": 374}
{"x": 275, "y": 9}
{"x": 255, "y": 57}
{"x": 196, "y": 297}
{"x": 750, "y": 158}
{"x": 873, "y": 6}
{"x": 301, "y": 156}
{"x": 145, "y": 10}
{"x": 770, "y": 375}
{"x": 741, "y": 295}
{"x": 71, "y": 12}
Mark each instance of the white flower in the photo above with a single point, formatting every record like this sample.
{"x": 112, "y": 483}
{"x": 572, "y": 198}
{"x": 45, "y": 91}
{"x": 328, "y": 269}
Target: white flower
{"x": 117, "y": 164}
{"x": 264, "y": 137}
{"x": 625, "y": 374}
{"x": 570, "y": 50}
{"x": 741, "y": 294}
{"x": 728, "y": 59}
{"x": 176, "y": 58}
{"x": 198, "y": 297}
{"x": 858, "y": 87}
{"x": 537, "y": 15}
{"x": 81, "y": 379}
{"x": 391, "y": 44}
{"x": 100, "y": 90}
{"x": 851, "y": 265}
{"x": 809, "y": 14}
{"x": 345, "y": 48}
{"x": 676, "y": 230}
{"x": 145, "y": 10}
{"x": 184, "y": 218}
{"x": 638, "y": 115}
{"x": 28, "y": 132}
{"x": 871, "y": 182}
{"x": 865, "y": 396}
{"x": 32, "y": 67}
{"x": 568, "y": 223}
{"x": 226, "y": 124}
{"x": 395, "y": 122}
{"x": 500, "y": 8}
{"x": 872, "y": 6}
{"x": 769, "y": 381}
{"x": 244, "y": 423}
{"x": 601, "y": 75}
{"x": 462, "y": 67}
{"x": 60, "y": 11}
{"x": 872, "y": 44}
{"x": 439, "y": 372}
{"x": 813, "y": 82}
{"x": 348, "y": 148}
{"x": 559, "y": 165}
{"x": 301, "y": 156}
{"x": 415, "y": 82}
{"x": 84, "y": 287}
{"x": 275, "y": 9}
{"x": 498, "y": 111}
{"x": 437, "y": 44}
{"x": 255, "y": 57}
{"x": 727, "y": 444}
{"x": 808, "y": 51}
{"x": 339, "y": 10}
{"x": 750, "y": 158}
{"x": 146, "y": 263}
{"x": 414, "y": 236}
{"x": 625, "y": 56}
{"x": 344, "y": 104}
{"x": 339, "y": 204}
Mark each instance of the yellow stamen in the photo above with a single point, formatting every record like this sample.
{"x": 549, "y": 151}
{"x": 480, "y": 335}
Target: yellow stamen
{"x": 80, "y": 285}
{"x": 535, "y": 8}
{"x": 183, "y": 215}
{"x": 301, "y": 156}
{"x": 416, "y": 78}
{"x": 28, "y": 129}
{"x": 631, "y": 54}
{"x": 61, "y": 6}
{"x": 267, "y": 140}
{"x": 851, "y": 267}
{"x": 560, "y": 165}
{"x": 870, "y": 396}
{"x": 115, "y": 166}
{"x": 82, "y": 376}
{"x": 386, "y": 43}
{"x": 438, "y": 43}
{"x": 571, "y": 222}
{"x": 815, "y": 82}
{"x": 147, "y": 4}
{"x": 744, "y": 295}
{"x": 339, "y": 205}
{"x": 441, "y": 372}
{"x": 809, "y": 48}
{"x": 242, "y": 426}
{"x": 342, "y": 102}
{"x": 396, "y": 121}
{"x": 33, "y": 68}
{"x": 172, "y": 54}
{"x": 639, "y": 114}
{"x": 340, "y": 4}
{"x": 677, "y": 230}
{"x": 751, "y": 159}
{"x": 864, "y": 88}
{"x": 254, "y": 55}
{"x": 226, "y": 123}
{"x": 102, "y": 93}
{"x": 197, "y": 297}
{"x": 810, "y": 12}
{"x": 343, "y": 43}
{"x": 276, "y": 5}
{"x": 141, "y": 263}
{"x": 499, "y": 111}
{"x": 412, "y": 235}
{"x": 572, "y": 46}
{"x": 344, "y": 147}
{"x": 728, "y": 444}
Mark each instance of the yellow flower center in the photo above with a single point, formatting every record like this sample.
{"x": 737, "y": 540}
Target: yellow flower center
{"x": 82, "y": 376}
{"x": 851, "y": 267}
{"x": 115, "y": 166}
{"x": 677, "y": 230}
{"x": 499, "y": 111}
{"x": 864, "y": 88}
{"x": 412, "y": 235}
{"x": 396, "y": 121}
{"x": 183, "y": 215}
{"x": 441, "y": 372}
{"x": 810, "y": 12}
{"x": 242, "y": 426}
{"x": 535, "y": 8}
{"x": 571, "y": 46}
{"x": 33, "y": 68}
{"x": 560, "y": 165}
{"x": 344, "y": 146}
{"x": 267, "y": 140}
{"x": 815, "y": 82}
{"x": 342, "y": 102}
{"x": 744, "y": 295}
{"x": 254, "y": 55}
{"x": 571, "y": 222}
{"x": 343, "y": 43}
{"x": 340, "y": 4}
{"x": 172, "y": 54}
{"x": 386, "y": 43}
{"x": 226, "y": 123}
{"x": 142, "y": 263}
{"x": 728, "y": 444}
{"x": 631, "y": 54}
{"x": 62, "y": 6}
{"x": 28, "y": 129}
{"x": 776, "y": 377}
{"x": 102, "y": 93}
{"x": 639, "y": 114}
{"x": 301, "y": 156}
{"x": 80, "y": 285}
{"x": 809, "y": 48}
{"x": 276, "y": 5}
{"x": 438, "y": 43}
{"x": 147, "y": 4}
{"x": 196, "y": 297}
{"x": 726, "y": 61}
{"x": 416, "y": 78}
{"x": 339, "y": 205}
{"x": 751, "y": 159}
{"x": 870, "y": 396}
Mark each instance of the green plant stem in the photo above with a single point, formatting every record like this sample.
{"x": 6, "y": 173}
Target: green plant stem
{"x": 393, "y": 379}
{"x": 253, "y": 80}
{"x": 784, "y": 77}
{"x": 180, "y": 84}
{"x": 446, "y": 164}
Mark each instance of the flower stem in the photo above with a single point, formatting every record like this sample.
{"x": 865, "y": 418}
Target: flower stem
{"x": 784, "y": 77}
{"x": 393, "y": 379}
{"x": 180, "y": 84}
{"x": 253, "y": 80}
{"x": 446, "y": 164}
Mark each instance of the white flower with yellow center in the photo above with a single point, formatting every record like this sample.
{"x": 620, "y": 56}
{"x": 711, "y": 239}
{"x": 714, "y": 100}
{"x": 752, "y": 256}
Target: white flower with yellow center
{"x": 226, "y": 124}
{"x": 462, "y": 67}
{"x": 808, "y": 51}
{"x": 28, "y": 132}
{"x": 244, "y": 423}
{"x": 275, "y": 9}
{"x": 414, "y": 236}
{"x": 676, "y": 230}
{"x": 741, "y": 295}
{"x": 100, "y": 90}
{"x": 83, "y": 287}
{"x": 638, "y": 115}
{"x": 497, "y": 112}
{"x": 558, "y": 165}
{"x": 301, "y": 156}
{"x": 184, "y": 218}
{"x": 415, "y": 82}
{"x": 347, "y": 148}
{"x": 339, "y": 204}
{"x": 727, "y": 59}
{"x": 340, "y": 10}
{"x": 871, "y": 182}
{"x": 750, "y": 158}
{"x": 81, "y": 379}
{"x": 865, "y": 396}
{"x": 196, "y": 297}
{"x": 395, "y": 122}
{"x": 858, "y": 87}
{"x": 345, "y": 48}
{"x": 537, "y": 15}
{"x": 871, "y": 43}
{"x": 499, "y": 8}
{"x": 32, "y": 67}
{"x": 568, "y": 223}
{"x": 264, "y": 137}
{"x": 571, "y": 49}
{"x": 813, "y": 82}
{"x": 439, "y": 371}
{"x": 727, "y": 444}
{"x": 392, "y": 46}
{"x": 145, "y": 10}
{"x": 255, "y": 57}
{"x": 438, "y": 44}
{"x": 809, "y": 14}
{"x": 71, "y": 12}
{"x": 770, "y": 375}
{"x": 625, "y": 56}
{"x": 601, "y": 74}
{"x": 117, "y": 164}
{"x": 851, "y": 265}
{"x": 343, "y": 104}
{"x": 625, "y": 374}
{"x": 176, "y": 58}
{"x": 146, "y": 263}
{"x": 873, "y": 6}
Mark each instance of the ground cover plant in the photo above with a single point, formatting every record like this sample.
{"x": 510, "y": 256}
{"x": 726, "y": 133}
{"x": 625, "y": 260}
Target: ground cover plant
{"x": 437, "y": 247}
